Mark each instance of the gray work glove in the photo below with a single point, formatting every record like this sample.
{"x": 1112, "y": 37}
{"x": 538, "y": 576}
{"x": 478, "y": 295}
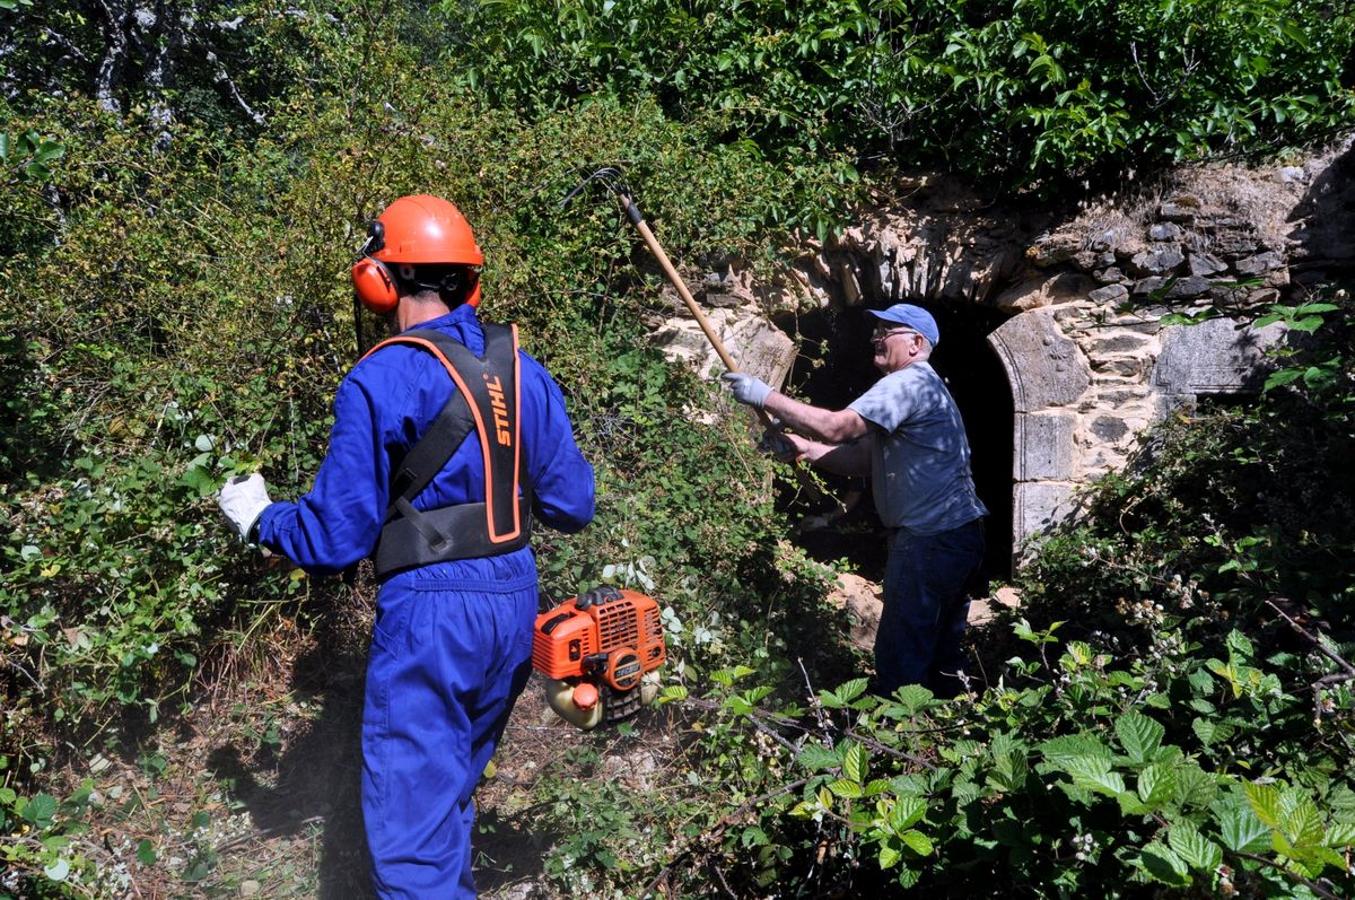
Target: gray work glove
{"x": 242, "y": 499}
{"x": 747, "y": 389}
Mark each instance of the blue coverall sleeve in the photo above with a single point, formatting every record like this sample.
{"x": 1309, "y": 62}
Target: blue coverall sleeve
{"x": 561, "y": 478}
{"x": 339, "y": 521}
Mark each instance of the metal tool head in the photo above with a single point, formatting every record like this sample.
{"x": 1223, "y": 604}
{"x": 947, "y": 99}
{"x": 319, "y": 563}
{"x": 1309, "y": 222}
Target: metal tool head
{"x": 608, "y": 176}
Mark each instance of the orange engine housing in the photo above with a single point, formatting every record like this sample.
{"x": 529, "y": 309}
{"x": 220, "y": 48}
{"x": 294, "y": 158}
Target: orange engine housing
{"x": 607, "y": 634}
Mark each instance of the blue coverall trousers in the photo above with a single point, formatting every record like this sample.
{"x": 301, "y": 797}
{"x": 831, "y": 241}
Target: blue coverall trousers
{"x": 447, "y": 662}
{"x": 928, "y": 581}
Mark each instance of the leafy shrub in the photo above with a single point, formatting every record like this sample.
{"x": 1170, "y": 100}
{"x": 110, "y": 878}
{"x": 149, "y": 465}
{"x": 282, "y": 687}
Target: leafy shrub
{"x": 1019, "y": 93}
{"x": 1177, "y": 719}
{"x": 191, "y": 319}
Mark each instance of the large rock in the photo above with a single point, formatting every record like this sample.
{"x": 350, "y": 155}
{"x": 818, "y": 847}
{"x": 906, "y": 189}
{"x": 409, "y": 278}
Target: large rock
{"x": 1214, "y": 357}
{"x": 1044, "y": 291}
{"x": 758, "y": 346}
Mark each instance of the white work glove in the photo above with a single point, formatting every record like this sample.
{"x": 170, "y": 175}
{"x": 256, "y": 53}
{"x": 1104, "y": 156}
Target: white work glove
{"x": 242, "y": 499}
{"x": 747, "y": 389}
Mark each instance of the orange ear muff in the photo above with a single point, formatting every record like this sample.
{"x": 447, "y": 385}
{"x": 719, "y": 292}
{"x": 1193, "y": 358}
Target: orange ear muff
{"x": 374, "y": 286}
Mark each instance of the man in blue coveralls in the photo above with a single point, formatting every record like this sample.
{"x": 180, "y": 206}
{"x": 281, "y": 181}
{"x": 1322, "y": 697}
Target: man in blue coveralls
{"x": 907, "y": 435}
{"x": 451, "y": 646}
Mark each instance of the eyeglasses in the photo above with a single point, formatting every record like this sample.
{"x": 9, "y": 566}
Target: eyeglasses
{"x": 879, "y": 337}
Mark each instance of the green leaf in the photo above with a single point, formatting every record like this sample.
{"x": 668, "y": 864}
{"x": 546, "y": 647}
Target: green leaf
{"x": 40, "y": 810}
{"x": 1058, "y": 751}
{"x": 1157, "y": 784}
{"x": 830, "y": 701}
{"x": 1340, "y": 836}
{"x": 1211, "y": 732}
{"x": 1196, "y": 850}
{"x": 907, "y": 812}
{"x": 1264, "y": 800}
{"x": 846, "y": 789}
{"x": 1300, "y": 821}
{"x": 1240, "y": 829}
{"x": 752, "y": 836}
{"x": 1164, "y": 865}
{"x": 889, "y": 856}
{"x": 1194, "y": 786}
{"x": 816, "y": 758}
{"x": 672, "y": 693}
{"x": 849, "y": 691}
{"x": 1130, "y": 805}
{"x": 855, "y": 763}
{"x": 145, "y": 853}
{"x": 914, "y": 696}
{"x": 918, "y": 842}
{"x": 1239, "y": 646}
{"x": 1139, "y": 735}
{"x": 1093, "y": 773}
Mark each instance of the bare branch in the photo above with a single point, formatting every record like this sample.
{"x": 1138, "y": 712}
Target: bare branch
{"x": 65, "y": 44}
{"x": 889, "y": 751}
{"x": 223, "y": 78}
{"x": 1341, "y": 661}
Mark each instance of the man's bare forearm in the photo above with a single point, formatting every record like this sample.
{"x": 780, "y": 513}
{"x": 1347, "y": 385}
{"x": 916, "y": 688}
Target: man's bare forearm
{"x": 826, "y": 425}
{"x": 852, "y": 458}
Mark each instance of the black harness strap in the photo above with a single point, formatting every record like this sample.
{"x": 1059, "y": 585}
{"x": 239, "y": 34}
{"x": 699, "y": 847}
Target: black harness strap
{"x": 486, "y": 403}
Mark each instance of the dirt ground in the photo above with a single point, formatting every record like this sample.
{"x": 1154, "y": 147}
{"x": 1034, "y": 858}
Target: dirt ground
{"x": 255, "y": 792}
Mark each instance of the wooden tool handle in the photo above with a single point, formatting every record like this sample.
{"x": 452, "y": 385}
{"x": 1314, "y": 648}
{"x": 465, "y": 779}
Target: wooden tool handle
{"x": 633, "y": 212}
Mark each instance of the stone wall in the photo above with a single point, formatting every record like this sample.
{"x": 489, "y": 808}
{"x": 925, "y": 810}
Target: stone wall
{"x": 1088, "y": 361}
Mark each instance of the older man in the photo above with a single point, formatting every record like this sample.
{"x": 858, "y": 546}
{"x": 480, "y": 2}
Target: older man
{"x": 907, "y": 435}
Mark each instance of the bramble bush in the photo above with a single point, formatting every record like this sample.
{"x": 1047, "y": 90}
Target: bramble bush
{"x": 1173, "y": 712}
{"x": 177, "y": 311}
{"x": 175, "y": 315}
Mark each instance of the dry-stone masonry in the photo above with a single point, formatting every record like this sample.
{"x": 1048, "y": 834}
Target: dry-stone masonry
{"x": 1089, "y": 363}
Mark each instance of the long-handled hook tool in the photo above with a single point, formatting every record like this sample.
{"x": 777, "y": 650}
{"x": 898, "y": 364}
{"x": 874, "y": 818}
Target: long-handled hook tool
{"x": 610, "y": 178}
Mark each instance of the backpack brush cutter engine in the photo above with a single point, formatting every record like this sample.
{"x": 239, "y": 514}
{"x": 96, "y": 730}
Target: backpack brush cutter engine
{"x": 599, "y": 653}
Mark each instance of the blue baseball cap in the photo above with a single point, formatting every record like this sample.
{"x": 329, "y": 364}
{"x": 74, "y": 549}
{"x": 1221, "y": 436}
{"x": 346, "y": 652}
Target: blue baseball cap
{"x": 914, "y": 317}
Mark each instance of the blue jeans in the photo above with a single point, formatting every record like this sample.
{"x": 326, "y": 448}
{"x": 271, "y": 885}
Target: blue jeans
{"x": 927, "y": 583}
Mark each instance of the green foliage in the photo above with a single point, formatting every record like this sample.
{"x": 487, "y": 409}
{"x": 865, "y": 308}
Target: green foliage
{"x": 29, "y": 156}
{"x": 1193, "y": 735}
{"x": 43, "y": 837}
{"x": 175, "y": 311}
{"x": 1022, "y": 93}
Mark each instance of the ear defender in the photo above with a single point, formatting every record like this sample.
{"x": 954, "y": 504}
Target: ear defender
{"x": 372, "y": 281}
{"x": 374, "y": 286}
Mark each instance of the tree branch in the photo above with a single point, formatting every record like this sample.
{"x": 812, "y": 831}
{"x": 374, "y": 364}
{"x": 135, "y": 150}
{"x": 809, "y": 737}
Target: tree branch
{"x": 109, "y": 76}
{"x": 224, "y": 79}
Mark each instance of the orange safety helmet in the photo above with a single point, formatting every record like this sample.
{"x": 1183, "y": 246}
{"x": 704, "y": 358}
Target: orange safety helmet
{"x": 417, "y": 230}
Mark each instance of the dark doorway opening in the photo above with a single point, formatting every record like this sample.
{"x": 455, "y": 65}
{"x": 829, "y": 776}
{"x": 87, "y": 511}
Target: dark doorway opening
{"x": 837, "y": 516}
{"x": 978, "y": 382}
